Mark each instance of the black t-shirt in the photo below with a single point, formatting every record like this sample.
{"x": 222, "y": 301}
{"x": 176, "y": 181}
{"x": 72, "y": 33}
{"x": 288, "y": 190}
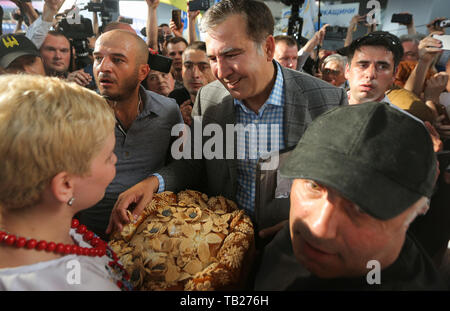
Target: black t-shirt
{"x": 279, "y": 270}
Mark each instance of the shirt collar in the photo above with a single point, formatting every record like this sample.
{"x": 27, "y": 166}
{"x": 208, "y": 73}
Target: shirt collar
{"x": 276, "y": 95}
{"x": 147, "y": 103}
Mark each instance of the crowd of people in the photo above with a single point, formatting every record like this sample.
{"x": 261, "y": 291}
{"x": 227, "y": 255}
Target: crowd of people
{"x": 367, "y": 129}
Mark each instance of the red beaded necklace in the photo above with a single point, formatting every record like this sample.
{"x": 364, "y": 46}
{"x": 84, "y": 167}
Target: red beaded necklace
{"x": 99, "y": 246}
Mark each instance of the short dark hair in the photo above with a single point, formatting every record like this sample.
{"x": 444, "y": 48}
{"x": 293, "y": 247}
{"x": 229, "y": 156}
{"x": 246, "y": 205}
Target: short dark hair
{"x": 289, "y": 40}
{"x": 175, "y": 40}
{"x": 378, "y": 38}
{"x": 58, "y": 33}
{"x": 197, "y": 45}
{"x": 257, "y": 15}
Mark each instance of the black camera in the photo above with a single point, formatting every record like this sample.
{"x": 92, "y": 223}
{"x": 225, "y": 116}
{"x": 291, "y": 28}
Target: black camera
{"x": 17, "y": 16}
{"x": 199, "y": 5}
{"x": 78, "y": 34}
{"x": 105, "y": 8}
{"x": 159, "y": 62}
{"x": 404, "y": 19}
{"x": 76, "y": 31}
{"x": 442, "y": 23}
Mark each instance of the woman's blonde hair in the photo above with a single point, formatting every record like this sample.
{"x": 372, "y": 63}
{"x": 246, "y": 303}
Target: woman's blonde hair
{"x": 47, "y": 126}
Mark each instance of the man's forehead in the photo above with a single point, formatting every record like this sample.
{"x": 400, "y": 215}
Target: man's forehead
{"x": 374, "y": 51}
{"x": 283, "y": 44}
{"x": 111, "y": 45}
{"x": 194, "y": 55}
{"x": 176, "y": 46}
{"x": 59, "y": 41}
{"x": 221, "y": 48}
{"x": 231, "y": 34}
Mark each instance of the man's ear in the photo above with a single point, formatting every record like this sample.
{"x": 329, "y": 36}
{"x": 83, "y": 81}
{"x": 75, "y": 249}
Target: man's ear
{"x": 143, "y": 71}
{"x": 395, "y": 74}
{"x": 62, "y": 187}
{"x": 269, "y": 47}
{"x": 347, "y": 71}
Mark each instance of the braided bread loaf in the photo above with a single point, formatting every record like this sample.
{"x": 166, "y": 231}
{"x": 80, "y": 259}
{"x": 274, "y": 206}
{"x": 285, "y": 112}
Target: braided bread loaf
{"x": 185, "y": 242}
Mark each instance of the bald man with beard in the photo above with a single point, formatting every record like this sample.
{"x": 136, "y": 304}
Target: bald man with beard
{"x": 144, "y": 118}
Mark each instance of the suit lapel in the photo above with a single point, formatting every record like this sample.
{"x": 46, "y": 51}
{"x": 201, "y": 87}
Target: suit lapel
{"x": 229, "y": 117}
{"x": 294, "y": 110}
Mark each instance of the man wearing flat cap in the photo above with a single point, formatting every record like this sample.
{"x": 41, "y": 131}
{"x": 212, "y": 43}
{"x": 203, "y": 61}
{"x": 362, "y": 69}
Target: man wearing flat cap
{"x": 361, "y": 174}
{"x": 19, "y": 55}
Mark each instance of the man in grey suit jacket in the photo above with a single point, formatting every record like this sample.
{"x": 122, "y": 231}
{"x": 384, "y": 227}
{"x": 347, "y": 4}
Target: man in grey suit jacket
{"x": 251, "y": 90}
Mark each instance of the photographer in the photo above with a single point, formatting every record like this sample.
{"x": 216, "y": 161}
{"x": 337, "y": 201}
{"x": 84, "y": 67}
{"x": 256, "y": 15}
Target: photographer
{"x": 26, "y": 11}
{"x": 18, "y": 18}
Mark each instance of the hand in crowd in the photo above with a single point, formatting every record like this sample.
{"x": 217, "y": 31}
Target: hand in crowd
{"x": 316, "y": 39}
{"x": 434, "y": 25}
{"x": 178, "y": 32}
{"x": 435, "y": 138}
{"x": 355, "y": 21}
{"x": 411, "y": 27}
{"x": 435, "y": 86}
{"x": 186, "y": 110}
{"x": 18, "y": 3}
{"x": 50, "y": 9}
{"x": 152, "y": 3}
{"x": 320, "y": 35}
{"x": 430, "y": 47}
{"x": 442, "y": 128}
{"x": 26, "y": 9}
{"x": 192, "y": 15}
{"x": 80, "y": 77}
{"x": 412, "y": 19}
{"x": 20, "y": 17}
{"x": 139, "y": 196}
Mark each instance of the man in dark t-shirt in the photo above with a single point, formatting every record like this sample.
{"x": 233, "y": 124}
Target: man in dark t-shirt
{"x": 196, "y": 73}
{"x": 361, "y": 174}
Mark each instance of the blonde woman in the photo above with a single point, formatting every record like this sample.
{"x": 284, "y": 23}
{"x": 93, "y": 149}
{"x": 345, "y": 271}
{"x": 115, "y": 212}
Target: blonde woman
{"x": 56, "y": 159}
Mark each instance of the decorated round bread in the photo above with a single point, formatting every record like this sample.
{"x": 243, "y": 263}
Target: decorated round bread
{"x": 185, "y": 242}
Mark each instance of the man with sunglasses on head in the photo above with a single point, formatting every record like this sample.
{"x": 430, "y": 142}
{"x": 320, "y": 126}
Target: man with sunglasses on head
{"x": 372, "y": 62}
